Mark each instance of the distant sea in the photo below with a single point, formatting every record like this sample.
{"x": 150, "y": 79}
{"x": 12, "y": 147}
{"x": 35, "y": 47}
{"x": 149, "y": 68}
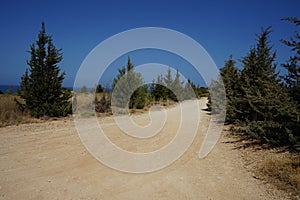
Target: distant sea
{"x": 15, "y": 88}
{"x": 4, "y": 88}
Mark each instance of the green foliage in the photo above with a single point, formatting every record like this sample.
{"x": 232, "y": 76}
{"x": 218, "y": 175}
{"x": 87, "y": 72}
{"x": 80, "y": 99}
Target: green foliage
{"x": 139, "y": 98}
{"x": 167, "y": 88}
{"x": 168, "y": 82}
{"x": 292, "y": 78}
{"x": 41, "y": 85}
{"x": 128, "y": 89}
{"x": 191, "y": 91}
{"x": 231, "y": 78}
{"x": 189, "y": 86}
{"x": 268, "y": 110}
{"x": 256, "y": 98}
{"x": 99, "y": 89}
{"x": 216, "y": 97}
{"x": 201, "y": 91}
{"x": 158, "y": 90}
{"x": 177, "y": 91}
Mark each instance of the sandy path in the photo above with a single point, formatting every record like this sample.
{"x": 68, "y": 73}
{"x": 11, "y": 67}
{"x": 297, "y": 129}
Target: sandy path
{"x": 48, "y": 161}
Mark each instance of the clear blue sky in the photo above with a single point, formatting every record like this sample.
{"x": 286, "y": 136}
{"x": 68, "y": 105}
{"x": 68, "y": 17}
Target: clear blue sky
{"x": 221, "y": 27}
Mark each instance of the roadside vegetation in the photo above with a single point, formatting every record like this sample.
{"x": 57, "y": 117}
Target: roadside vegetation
{"x": 41, "y": 94}
{"x": 263, "y": 106}
{"x": 130, "y": 92}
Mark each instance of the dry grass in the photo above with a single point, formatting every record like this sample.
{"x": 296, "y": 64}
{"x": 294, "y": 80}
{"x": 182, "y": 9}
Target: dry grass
{"x": 275, "y": 166}
{"x": 9, "y": 111}
{"x": 283, "y": 170}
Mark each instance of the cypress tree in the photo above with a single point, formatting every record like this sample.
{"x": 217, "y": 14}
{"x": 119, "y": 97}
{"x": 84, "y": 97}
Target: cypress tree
{"x": 41, "y": 85}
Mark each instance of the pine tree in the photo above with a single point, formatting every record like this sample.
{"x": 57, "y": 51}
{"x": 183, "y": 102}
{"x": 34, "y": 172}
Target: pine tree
{"x": 129, "y": 65}
{"x": 230, "y": 76}
{"x": 189, "y": 88}
{"x": 139, "y": 98}
{"x": 153, "y": 90}
{"x": 216, "y": 99}
{"x": 292, "y": 78}
{"x": 268, "y": 109}
{"x": 125, "y": 94}
{"x": 41, "y": 85}
{"x": 259, "y": 77}
{"x": 158, "y": 91}
{"x": 177, "y": 89}
{"x": 168, "y": 81}
{"x": 248, "y": 78}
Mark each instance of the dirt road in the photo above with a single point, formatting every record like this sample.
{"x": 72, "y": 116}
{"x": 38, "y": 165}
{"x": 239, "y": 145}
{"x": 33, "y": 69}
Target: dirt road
{"x": 48, "y": 161}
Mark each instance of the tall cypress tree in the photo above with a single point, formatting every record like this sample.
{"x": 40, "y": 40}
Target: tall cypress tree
{"x": 41, "y": 85}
